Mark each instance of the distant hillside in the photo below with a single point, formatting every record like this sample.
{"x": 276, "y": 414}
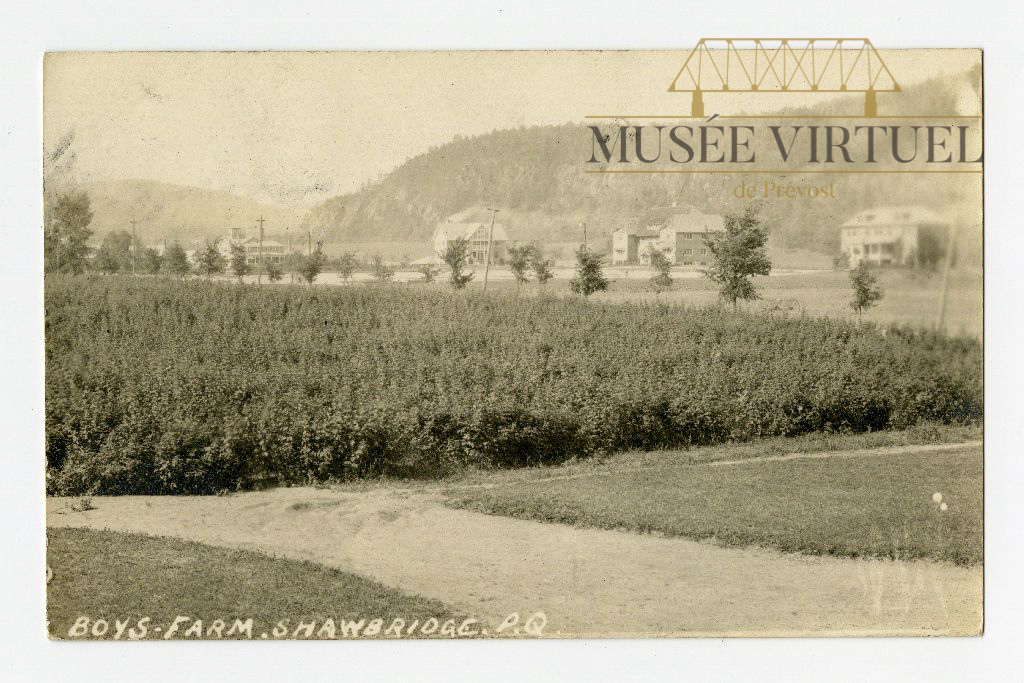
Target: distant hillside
{"x": 958, "y": 94}
{"x": 535, "y": 176}
{"x": 178, "y": 212}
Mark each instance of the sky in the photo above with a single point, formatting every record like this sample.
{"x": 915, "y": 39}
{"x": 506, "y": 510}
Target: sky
{"x": 296, "y": 128}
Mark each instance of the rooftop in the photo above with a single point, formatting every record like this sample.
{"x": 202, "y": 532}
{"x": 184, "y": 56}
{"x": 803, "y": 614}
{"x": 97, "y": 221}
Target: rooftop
{"x": 894, "y": 215}
{"x": 449, "y": 230}
{"x": 693, "y": 222}
{"x": 685, "y": 219}
{"x": 255, "y": 240}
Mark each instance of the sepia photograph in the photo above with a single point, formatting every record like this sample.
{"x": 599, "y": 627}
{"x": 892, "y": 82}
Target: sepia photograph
{"x": 470, "y": 345}
{"x": 544, "y": 341}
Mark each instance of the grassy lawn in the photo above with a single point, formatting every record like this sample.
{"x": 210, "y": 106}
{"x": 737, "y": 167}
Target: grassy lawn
{"x": 116, "y": 576}
{"x": 910, "y": 297}
{"x": 877, "y": 506}
{"x": 816, "y": 442}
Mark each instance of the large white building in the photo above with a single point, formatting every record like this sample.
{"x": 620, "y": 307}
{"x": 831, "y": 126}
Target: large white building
{"x": 680, "y": 236}
{"x": 273, "y": 252}
{"x": 478, "y": 234}
{"x": 634, "y": 245}
{"x": 889, "y": 235}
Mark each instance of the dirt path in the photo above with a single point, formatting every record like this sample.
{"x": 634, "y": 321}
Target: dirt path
{"x": 586, "y": 581}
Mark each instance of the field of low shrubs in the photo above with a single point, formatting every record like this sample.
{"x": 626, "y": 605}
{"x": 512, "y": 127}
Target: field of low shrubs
{"x": 160, "y": 386}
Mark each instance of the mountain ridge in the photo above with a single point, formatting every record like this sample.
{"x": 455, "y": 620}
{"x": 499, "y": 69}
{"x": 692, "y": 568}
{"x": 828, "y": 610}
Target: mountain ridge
{"x": 534, "y": 176}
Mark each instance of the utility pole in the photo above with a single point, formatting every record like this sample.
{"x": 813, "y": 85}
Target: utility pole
{"x": 134, "y": 245}
{"x": 291, "y": 270}
{"x": 259, "y": 257}
{"x": 583, "y": 224}
{"x": 950, "y": 252}
{"x": 490, "y": 241}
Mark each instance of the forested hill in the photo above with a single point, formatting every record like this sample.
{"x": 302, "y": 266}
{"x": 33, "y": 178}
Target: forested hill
{"x": 535, "y": 176}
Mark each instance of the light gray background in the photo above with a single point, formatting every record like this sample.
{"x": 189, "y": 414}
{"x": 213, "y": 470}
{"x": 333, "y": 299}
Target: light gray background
{"x": 27, "y": 29}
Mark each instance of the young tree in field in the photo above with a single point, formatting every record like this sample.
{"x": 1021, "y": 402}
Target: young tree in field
{"x": 541, "y": 266}
{"x": 589, "y": 277}
{"x": 662, "y": 278}
{"x": 66, "y": 233}
{"x": 107, "y": 261}
{"x": 274, "y": 272}
{"x": 380, "y": 270}
{"x": 311, "y": 266}
{"x": 152, "y": 261}
{"x": 239, "y": 261}
{"x": 739, "y": 253}
{"x": 115, "y": 251}
{"x": 931, "y": 249}
{"x": 866, "y": 292}
{"x": 454, "y": 256}
{"x": 176, "y": 260}
{"x": 519, "y": 262}
{"x": 429, "y": 271}
{"x": 209, "y": 260}
{"x": 346, "y": 265}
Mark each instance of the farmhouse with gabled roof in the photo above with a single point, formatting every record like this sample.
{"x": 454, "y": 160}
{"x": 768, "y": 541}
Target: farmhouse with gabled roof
{"x": 889, "y": 235}
{"x": 680, "y": 236}
{"x": 477, "y": 232}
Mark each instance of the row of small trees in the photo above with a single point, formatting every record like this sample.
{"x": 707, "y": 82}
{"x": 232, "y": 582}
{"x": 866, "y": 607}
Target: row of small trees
{"x": 210, "y": 261}
{"x": 522, "y": 259}
{"x": 66, "y": 249}
{"x": 739, "y": 252}
{"x": 113, "y": 256}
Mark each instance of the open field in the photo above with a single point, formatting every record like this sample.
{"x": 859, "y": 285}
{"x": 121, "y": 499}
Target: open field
{"x": 910, "y": 297}
{"x": 852, "y": 506}
{"x": 156, "y": 386}
{"x": 115, "y": 576}
{"x": 603, "y": 582}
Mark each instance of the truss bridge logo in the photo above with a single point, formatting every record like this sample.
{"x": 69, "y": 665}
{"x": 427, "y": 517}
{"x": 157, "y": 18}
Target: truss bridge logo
{"x": 823, "y": 128}
{"x": 784, "y": 65}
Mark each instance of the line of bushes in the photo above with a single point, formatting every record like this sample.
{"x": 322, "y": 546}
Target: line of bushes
{"x": 157, "y": 386}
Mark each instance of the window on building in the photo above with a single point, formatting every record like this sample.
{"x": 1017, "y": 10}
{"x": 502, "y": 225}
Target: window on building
{"x": 687, "y": 252}
{"x": 703, "y": 252}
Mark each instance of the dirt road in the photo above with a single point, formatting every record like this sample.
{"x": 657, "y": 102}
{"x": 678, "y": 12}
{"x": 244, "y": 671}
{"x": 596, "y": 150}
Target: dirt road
{"x": 585, "y": 581}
